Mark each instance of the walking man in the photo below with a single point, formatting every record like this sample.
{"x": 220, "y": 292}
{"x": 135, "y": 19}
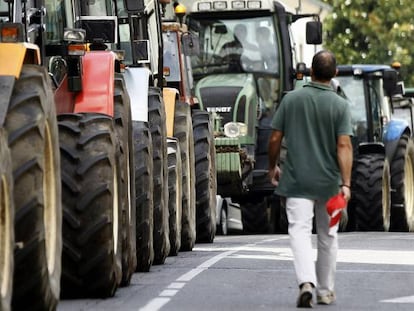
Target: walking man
{"x": 316, "y": 125}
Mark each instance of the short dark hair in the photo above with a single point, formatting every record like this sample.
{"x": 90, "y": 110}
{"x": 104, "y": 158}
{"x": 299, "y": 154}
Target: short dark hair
{"x": 324, "y": 65}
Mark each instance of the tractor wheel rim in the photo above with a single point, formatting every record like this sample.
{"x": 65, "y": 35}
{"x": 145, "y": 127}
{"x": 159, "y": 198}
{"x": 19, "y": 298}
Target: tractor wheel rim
{"x": 6, "y": 231}
{"x": 409, "y": 192}
{"x": 50, "y": 202}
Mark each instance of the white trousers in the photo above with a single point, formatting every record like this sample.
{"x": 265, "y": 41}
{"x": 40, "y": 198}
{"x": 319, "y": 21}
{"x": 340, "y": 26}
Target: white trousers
{"x": 300, "y": 213}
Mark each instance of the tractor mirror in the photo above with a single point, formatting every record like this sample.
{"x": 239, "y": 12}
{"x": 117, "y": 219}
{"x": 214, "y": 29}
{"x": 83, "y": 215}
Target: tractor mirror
{"x": 134, "y": 6}
{"x": 101, "y": 29}
{"x": 141, "y": 51}
{"x": 314, "y": 32}
{"x": 190, "y": 43}
{"x": 193, "y": 24}
{"x": 220, "y": 29}
{"x": 390, "y": 80}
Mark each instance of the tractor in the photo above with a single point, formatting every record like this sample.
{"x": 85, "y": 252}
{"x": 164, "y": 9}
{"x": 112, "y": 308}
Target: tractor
{"x": 179, "y": 45}
{"x": 383, "y": 169}
{"x": 240, "y": 80}
{"x": 169, "y": 124}
{"x": 30, "y": 206}
{"x": 86, "y": 153}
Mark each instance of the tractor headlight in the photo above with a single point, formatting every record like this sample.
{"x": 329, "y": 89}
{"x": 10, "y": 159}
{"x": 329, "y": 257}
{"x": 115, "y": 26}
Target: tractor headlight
{"x": 254, "y": 4}
{"x": 238, "y": 5}
{"x": 74, "y": 35}
{"x": 220, "y": 5}
{"x": 235, "y": 129}
{"x": 204, "y": 6}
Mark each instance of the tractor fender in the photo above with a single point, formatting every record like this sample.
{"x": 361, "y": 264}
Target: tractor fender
{"x": 12, "y": 58}
{"x": 367, "y": 148}
{"x": 137, "y": 82}
{"x": 98, "y": 76}
{"x": 14, "y": 55}
{"x": 170, "y": 97}
{"x": 64, "y": 98}
{"x": 395, "y": 129}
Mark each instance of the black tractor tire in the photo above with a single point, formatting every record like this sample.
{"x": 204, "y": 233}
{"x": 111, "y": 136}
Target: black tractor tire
{"x": 402, "y": 181}
{"x": 254, "y": 215}
{"x": 32, "y": 130}
{"x": 352, "y": 203}
{"x": 175, "y": 195}
{"x": 206, "y": 187}
{"x": 144, "y": 186}
{"x": 123, "y": 127}
{"x": 278, "y": 218}
{"x": 92, "y": 228}
{"x": 157, "y": 125}
{"x": 6, "y": 224}
{"x": 273, "y": 205}
{"x": 283, "y": 220}
{"x": 351, "y": 215}
{"x": 183, "y": 130}
{"x": 371, "y": 191}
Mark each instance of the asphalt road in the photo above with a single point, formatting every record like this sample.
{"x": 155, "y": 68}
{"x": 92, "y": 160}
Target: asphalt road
{"x": 375, "y": 271}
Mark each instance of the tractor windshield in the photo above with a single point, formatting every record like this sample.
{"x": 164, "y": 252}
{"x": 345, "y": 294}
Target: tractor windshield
{"x": 4, "y": 12}
{"x": 236, "y": 45}
{"x": 55, "y": 20}
{"x": 364, "y": 96}
{"x": 97, "y": 8}
{"x": 237, "y": 50}
{"x": 354, "y": 91}
{"x": 171, "y": 57}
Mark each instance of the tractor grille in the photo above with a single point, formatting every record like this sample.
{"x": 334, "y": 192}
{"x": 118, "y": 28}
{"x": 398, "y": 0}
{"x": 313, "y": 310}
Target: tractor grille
{"x": 220, "y": 100}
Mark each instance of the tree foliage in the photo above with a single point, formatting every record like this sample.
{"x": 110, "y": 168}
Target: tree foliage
{"x": 372, "y": 32}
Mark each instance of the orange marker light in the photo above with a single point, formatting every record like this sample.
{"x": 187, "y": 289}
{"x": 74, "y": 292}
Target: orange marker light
{"x": 166, "y": 71}
{"x": 9, "y": 34}
{"x": 76, "y": 49}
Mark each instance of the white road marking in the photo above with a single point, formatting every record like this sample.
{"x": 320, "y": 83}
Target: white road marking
{"x": 190, "y": 275}
{"x": 176, "y": 285}
{"x": 388, "y": 257}
{"x": 160, "y": 301}
{"x": 155, "y": 304}
{"x": 168, "y": 292}
{"x": 283, "y": 253}
{"x": 407, "y": 299}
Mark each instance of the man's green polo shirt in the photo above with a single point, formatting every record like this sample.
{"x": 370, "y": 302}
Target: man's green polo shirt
{"x": 311, "y": 119}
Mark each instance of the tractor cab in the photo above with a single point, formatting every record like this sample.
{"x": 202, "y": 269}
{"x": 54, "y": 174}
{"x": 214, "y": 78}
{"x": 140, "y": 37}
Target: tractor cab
{"x": 363, "y": 87}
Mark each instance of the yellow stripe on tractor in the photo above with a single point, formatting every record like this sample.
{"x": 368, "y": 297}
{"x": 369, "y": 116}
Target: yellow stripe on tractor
{"x": 14, "y": 55}
{"x": 170, "y": 96}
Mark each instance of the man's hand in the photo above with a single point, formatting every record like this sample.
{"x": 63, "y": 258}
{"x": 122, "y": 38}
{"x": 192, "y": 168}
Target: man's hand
{"x": 346, "y": 191}
{"x": 274, "y": 175}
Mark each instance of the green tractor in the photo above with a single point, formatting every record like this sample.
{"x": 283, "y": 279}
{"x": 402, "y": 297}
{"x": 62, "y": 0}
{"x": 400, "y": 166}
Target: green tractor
{"x": 244, "y": 67}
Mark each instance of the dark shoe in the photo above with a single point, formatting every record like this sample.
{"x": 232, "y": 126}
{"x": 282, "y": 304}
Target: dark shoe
{"x": 305, "y": 296}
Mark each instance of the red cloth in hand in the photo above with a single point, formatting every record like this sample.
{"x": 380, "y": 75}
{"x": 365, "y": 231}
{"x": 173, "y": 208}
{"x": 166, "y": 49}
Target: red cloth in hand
{"x": 334, "y": 206}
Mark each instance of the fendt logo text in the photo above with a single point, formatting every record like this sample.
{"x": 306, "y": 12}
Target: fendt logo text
{"x": 219, "y": 109}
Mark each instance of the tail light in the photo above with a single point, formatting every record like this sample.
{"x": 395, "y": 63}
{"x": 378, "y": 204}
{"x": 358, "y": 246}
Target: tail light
{"x": 76, "y": 49}
{"x": 11, "y": 33}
